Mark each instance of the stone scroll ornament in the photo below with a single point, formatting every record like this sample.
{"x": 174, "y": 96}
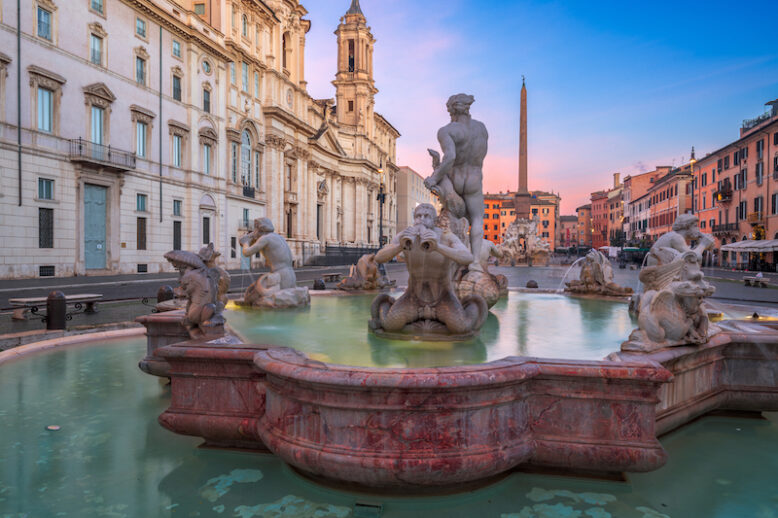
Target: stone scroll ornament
{"x": 204, "y": 285}
{"x": 429, "y": 309}
{"x": 278, "y": 287}
{"x": 671, "y": 311}
{"x": 596, "y": 278}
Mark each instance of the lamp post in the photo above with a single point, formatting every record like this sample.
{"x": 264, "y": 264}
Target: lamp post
{"x": 381, "y": 198}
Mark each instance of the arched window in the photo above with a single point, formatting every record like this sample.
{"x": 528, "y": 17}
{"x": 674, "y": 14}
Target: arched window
{"x": 245, "y": 26}
{"x": 245, "y": 158}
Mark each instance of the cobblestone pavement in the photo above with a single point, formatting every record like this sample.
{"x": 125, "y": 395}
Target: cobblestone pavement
{"x": 123, "y": 292}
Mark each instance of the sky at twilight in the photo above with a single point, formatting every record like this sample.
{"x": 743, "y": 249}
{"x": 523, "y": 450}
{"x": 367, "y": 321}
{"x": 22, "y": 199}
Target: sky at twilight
{"x": 612, "y": 86}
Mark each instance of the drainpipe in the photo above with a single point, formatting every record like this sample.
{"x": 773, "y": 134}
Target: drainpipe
{"x": 19, "y": 92}
{"x": 160, "y": 123}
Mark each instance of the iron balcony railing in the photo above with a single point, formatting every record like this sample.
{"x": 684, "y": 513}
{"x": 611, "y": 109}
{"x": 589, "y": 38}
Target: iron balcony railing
{"x": 248, "y": 192}
{"x": 85, "y": 151}
{"x": 750, "y": 123}
{"x": 725, "y": 228}
{"x": 754, "y": 217}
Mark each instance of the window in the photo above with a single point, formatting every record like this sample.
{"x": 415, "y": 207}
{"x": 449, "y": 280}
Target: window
{"x": 45, "y": 110}
{"x": 44, "y": 25}
{"x": 45, "y": 228}
{"x": 774, "y": 203}
{"x": 246, "y": 218}
{"x": 177, "y": 150}
{"x": 245, "y": 26}
{"x": 140, "y": 27}
{"x": 98, "y": 122}
{"x": 141, "y": 129}
{"x": 740, "y": 210}
{"x": 177, "y": 207}
{"x": 726, "y": 162}
{"x": 140, "y": 202}
{"x": 206, "y": 100}
{"x": 775, "y": 138}
{"x": 45, "y": 189}
{"x": 257, "y": 168}
{"x": 176, "y": 235}
{"x": 245, "y": 159}
{"x": 232, "y": 72}
{"x": 207, "y": 67}
{"x": 97, "y": 5}
{"x": 206, "y": 159}
{"x": 206, "y": 230}
{"x": 350, "y": 55}
{"x": 199, "y": 9}
{"x": 288, "y": 177}
{"x": 96, "y": 49}
{"x": 759, "y": 204}
{"x": 177, "y": 48}
{"x": 176, "y": 88}
{"x": 140, "y": 231}
{"x": 244, "y": 76}
{"x": 140, "y": 70}
{"x": 759, "y": 172}
{"x": 256, "y": 84}
{"x": 351, "y": 106}
{"x": 234, "y": 165}
{"x": 760, "y": 149}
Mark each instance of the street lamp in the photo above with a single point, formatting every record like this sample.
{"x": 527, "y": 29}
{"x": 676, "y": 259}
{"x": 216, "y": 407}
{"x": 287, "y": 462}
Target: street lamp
{"x": 381, "y": 198}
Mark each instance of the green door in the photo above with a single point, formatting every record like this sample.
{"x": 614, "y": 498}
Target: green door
{"x": 94, "y": 226}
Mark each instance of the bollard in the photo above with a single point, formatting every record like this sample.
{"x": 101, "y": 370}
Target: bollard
{"x": 164, "y": 293}
{"x": 56, "y": 310}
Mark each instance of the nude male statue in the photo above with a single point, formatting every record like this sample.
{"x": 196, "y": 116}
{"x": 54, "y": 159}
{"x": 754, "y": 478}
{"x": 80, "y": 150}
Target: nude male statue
{"x": 430, "y": 254}
{"x": 464, "y": 145}
{"x": 277, "y": 256}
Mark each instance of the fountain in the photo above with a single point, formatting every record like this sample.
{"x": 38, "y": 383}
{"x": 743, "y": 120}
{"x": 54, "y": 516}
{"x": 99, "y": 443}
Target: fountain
{"x": 522, "y": 244}
{"x": 596, "y": 277}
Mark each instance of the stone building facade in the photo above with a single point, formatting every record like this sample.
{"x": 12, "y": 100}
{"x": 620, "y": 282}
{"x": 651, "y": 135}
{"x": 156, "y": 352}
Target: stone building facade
{"x": 147, "y": 125}
{"x": 411, "y": 193}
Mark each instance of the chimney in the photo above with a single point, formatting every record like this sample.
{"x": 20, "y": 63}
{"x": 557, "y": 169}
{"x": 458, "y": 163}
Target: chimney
{"x": 616, "y": 180}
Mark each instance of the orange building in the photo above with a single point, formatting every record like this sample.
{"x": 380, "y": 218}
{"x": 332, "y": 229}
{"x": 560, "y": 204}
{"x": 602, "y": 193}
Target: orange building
{"x": 635, "y": 206}
{"x": 493, "y": 221}
{"x": 669, "y": 197}
{"x": 568, "y": 235}
{"x": 584, "y": 234}
{"x": 735, "y": 191}
{"x": 599, "y": 219}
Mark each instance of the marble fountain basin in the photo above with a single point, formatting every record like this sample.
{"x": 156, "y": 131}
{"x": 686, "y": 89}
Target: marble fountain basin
{"x": 455, "y": 425}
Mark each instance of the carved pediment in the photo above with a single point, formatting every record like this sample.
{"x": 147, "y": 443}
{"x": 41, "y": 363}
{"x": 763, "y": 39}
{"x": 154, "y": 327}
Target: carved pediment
{"x": 140, "y": 114}
{"x": 99, "y": 95}
{"x": 326, "y": 138}
{"x": 177, "y": 71}
{"x": 178, "y": 128}
{"x": 207, "y": 134}
{"x": 4, "y": 60}
{"x": 45, "y": 78}
{"x": 140, "y": 51}
{"x": 97, "y": 29}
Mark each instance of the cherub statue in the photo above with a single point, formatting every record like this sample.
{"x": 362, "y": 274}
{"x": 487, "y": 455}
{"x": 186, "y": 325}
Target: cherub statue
{"x": 429, "y": 307}
{"x": 204, "y": 285}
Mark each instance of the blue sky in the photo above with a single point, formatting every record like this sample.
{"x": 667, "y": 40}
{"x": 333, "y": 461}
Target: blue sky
{"x": 612, "y": 86}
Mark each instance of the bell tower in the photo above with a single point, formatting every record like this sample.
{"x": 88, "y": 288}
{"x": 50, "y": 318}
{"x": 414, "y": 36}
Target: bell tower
{"x": 354, "y": 85}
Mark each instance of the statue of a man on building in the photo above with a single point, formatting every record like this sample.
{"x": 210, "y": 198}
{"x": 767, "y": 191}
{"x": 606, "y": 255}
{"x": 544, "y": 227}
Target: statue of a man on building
{"x": 457, "y": 178}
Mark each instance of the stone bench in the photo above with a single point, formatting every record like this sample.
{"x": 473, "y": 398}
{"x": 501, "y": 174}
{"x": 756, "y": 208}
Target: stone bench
{"x": 24, "y": 304}
{"x": 756, "y": 281}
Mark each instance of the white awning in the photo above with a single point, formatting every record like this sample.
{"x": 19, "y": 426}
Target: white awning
{"x": 752, "y": 245}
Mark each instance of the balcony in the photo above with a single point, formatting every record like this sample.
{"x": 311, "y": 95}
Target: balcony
{"x": 726, "y": 228}
{"x": 755, "y": 218}
{"x": 750, "y": 123}
{"x": 97, "y": 154}
{"x": 724, "y": 195}
{"x": 290, "y": 197}
{"x": 248, "y": 192}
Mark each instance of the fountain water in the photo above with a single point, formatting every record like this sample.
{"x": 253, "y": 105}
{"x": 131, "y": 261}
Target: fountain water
{"x": 562, "y": 282}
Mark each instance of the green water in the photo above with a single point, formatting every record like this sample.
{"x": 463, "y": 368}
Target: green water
{"x": 334, "y": 329}
{"x": 111, "y": 458}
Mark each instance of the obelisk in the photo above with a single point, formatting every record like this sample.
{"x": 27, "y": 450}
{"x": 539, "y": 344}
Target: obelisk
{"x": 522, "y": 199}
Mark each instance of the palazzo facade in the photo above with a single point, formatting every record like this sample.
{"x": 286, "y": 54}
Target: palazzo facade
{"x": 132, "y": 127}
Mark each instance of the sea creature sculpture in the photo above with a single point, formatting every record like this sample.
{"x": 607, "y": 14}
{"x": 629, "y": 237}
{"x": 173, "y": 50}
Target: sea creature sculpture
{"x": 596, "y": 277}
{"x": 671, "y": 311}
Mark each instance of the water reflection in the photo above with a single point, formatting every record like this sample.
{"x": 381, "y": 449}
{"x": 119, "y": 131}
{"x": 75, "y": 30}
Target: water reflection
{"x": 334, "y": 330}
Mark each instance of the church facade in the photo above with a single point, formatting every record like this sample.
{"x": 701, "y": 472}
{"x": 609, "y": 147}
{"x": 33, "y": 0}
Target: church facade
{"x": 147, "y": 125}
